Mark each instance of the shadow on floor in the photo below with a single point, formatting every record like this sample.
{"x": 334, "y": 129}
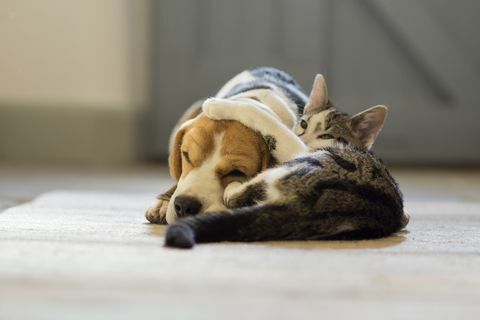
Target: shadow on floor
{"x": 159, "y": 231}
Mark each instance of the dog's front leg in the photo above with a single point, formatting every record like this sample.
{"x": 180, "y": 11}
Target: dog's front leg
{"x": 158, "y": 212}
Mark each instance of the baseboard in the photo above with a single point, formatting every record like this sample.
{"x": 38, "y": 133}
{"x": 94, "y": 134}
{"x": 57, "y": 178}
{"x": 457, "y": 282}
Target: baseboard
{"x": 68, "y": 134}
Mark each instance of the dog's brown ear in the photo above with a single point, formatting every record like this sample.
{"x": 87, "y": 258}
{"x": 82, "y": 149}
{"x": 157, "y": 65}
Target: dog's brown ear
{"x": 175, "y": 157}
{"x": 267, "y": 160}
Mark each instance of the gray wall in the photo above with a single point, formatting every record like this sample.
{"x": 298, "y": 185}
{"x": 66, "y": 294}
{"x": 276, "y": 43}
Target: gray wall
{"x": 421, "y": 58}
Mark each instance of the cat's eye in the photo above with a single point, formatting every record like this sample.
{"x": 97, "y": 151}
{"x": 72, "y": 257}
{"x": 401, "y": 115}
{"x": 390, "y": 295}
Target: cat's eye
{"x": 236, "y": 173}
{"x": 303, "y": 124}
{"x": 342, "y": 140}
{"x": 186, "y": 156}
{"x": 325, "y": 136}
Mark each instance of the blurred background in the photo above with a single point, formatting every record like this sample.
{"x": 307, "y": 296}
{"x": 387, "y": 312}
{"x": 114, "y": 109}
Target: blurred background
{"x": 103, "y": 82}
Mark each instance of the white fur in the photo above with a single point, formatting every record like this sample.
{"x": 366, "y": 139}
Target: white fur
{"x": 276, "y": 101}
{"x": 322, "y": 143}
{"x": 256, "y": 116}
{"x": 232, "y": 189}
{"x": 269, "y": 177}
{"x": 242, "y": 77}
{"x": 273, "y": 98}
{"x": 202, "y": 184}
{"x": 309, "y": 136}
{"x": 273, "y": 175}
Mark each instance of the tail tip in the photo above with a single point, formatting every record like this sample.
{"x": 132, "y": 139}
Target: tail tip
{"x": 405, "y": 219}
{"x": 180, "y": 236}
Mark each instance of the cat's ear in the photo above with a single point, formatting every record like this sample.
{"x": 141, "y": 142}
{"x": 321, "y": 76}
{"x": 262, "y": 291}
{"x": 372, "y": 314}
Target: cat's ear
{"x": 318, "y": 99}
{"x": 367, "y": 124}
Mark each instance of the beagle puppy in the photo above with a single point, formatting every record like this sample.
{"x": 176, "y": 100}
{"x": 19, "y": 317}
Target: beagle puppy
{"x": 206, "y": 155}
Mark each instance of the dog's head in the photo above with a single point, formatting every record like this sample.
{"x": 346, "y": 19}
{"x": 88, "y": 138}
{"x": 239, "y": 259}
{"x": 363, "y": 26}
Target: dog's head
{"x": 205, "y": 156}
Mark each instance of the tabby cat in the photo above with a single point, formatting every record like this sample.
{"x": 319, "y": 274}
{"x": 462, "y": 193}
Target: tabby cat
{"x": 335, "y": 189}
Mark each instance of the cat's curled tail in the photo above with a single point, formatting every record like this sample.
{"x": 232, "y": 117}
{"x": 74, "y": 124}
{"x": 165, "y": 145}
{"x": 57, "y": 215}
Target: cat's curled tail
{"x": 278, "y": 222}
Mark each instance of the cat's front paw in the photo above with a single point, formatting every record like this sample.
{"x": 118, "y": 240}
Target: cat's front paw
{"x": 229, "y": 194}
{"x": 157, "y": 213}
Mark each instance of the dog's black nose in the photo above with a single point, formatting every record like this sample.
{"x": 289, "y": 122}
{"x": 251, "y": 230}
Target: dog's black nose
{"x": 187, "y": 206}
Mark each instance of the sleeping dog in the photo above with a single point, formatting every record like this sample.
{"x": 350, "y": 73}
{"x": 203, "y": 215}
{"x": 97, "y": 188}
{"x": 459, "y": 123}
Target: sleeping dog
{"x": 206, "y": 155}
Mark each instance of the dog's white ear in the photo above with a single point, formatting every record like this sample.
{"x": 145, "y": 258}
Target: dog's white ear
{"x": 367, "y": 124}
{"x": 175, "y": 156}
{"x": 318, "y": 99}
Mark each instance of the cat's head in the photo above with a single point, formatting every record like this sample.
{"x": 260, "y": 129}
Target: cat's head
{"x": 322, "y": 125}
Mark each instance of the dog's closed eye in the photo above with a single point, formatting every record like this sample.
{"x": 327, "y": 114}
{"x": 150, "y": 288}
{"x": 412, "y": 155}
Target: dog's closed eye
{"x": 186, "y": 156}
{"x": 236, "y": 173}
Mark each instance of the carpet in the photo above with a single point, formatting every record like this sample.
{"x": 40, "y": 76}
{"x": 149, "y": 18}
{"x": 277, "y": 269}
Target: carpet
{"x": 78, "y": 255}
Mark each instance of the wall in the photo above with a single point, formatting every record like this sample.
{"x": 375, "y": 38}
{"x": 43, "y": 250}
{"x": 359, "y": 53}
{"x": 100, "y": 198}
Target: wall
{"x": 74, "y": 79}
{"x": 420, "y": 58}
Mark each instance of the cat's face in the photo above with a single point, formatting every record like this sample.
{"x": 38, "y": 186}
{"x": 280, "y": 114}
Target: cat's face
{"x": 330, "y": 126}
{"x": 325, "y": 128}
{"x": 322, "y": 125}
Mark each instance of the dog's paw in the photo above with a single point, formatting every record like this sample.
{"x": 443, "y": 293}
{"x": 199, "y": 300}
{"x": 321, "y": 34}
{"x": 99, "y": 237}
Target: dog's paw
{"x": 158, "y": 212}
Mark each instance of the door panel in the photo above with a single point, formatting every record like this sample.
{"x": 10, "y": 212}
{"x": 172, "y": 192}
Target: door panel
{"x": 418, "y": 58}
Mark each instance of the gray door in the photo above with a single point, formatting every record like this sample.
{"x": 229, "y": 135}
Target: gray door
{"x": 418, "y": 57}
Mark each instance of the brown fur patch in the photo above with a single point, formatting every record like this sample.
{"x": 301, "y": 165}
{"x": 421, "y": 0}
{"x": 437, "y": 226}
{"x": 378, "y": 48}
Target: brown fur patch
{"x": 243, "y": 150}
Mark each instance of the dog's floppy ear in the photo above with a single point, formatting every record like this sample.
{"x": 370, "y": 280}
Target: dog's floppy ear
{"x": 268, "y": 160}
{"x": 318, "y": 99}
{"x": 175, "y": 157}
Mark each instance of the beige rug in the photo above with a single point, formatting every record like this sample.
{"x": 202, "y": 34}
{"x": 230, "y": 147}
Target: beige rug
{"x": 81, "y": 255}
